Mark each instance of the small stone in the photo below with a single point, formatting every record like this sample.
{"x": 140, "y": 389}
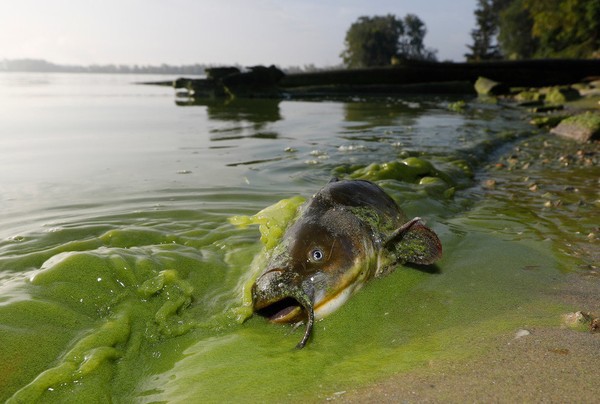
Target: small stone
{"x": 489, "y": 184}
{"x": 522, "y": 333}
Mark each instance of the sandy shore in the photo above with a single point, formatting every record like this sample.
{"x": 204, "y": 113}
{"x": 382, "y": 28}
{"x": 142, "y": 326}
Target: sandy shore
{"x": 548, "y": 365}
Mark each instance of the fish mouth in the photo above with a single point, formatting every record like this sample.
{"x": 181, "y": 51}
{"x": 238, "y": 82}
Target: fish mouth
{"x": 289, "y": 309}
{"x": 284, "y": 310}
{"x": 277, "y": 298}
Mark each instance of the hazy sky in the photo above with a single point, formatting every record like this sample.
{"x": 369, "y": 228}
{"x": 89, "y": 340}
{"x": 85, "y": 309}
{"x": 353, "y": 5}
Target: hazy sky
{"x": 283, "y": 32}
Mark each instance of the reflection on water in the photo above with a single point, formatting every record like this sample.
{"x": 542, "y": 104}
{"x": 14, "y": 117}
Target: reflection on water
{"x": 244, "y": 117}
{"x": 120, "y": 274}
{"x": 383, "y": 113}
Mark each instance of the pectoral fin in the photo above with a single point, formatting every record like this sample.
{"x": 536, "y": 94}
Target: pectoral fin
{"x": 415, "y": 243}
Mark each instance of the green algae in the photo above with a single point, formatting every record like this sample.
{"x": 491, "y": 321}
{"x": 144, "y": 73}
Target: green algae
{"x": 115, "y": 300}
{"x": 457, "y": 106}
{"x": 560, "y": 95}
{"x": 409, "y": 170}
{"x": 154, "y": 323}
{"x": 529, "y": 95}
{"x": 406, "y": 319}
{"x": 89, "y": 353}
{"x": 547, "y": 121}
{"x": 589, "y": 120}
{"x": 272, "y": 220}
{"x": 434, "y": 181}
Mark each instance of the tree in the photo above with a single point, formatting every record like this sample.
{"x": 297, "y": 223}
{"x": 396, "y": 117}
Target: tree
{"x": 565, "y": 28}
{"x": 484, "y": 43}
{"x": 411, "y": 45}
{"x": 374, "y": 41}
{"x": 549, "y": 28}
{"x": 514, "y": 37}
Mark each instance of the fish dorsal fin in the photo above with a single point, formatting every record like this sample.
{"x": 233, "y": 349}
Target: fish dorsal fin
{"x": 415, "y": 243}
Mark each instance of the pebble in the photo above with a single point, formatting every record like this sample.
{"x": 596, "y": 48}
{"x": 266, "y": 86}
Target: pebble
{"x": 522, "y": 333}
{"x": 489, "y": 184}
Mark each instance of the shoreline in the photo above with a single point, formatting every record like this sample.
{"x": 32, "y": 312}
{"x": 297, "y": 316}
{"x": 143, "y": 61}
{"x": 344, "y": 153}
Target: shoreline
{"x": 405, "y": 77}
{"x": 551, "y": 364}
{"x": 554, "y": 363}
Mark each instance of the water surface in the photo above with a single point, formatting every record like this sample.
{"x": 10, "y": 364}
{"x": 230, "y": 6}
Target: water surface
{"x": 121, "y": 274}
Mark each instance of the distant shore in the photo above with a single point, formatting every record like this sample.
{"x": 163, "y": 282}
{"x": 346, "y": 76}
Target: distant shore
{"x": 406, "y": 77}
{"x": 43, "y": 66}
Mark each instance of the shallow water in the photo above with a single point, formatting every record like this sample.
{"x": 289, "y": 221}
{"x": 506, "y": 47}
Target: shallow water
{"x": 121, "y": 276}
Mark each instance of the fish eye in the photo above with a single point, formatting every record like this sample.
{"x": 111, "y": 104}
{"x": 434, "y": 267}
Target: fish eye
{"x": 316, "y": 255}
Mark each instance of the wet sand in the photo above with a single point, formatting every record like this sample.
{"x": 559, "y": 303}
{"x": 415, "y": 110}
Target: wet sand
{"x": 548, "y": 365}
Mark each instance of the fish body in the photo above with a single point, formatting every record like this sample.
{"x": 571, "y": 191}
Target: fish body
{"x": 347, "y": 233}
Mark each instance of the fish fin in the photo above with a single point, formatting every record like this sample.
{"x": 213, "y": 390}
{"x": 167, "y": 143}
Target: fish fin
{"x": 415, "y": 243}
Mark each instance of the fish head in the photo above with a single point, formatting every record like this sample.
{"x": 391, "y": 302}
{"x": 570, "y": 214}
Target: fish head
{"x": 317, "y": 266}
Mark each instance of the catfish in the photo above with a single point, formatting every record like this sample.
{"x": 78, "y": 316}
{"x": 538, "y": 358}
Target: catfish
{"x": 349, "y": 232}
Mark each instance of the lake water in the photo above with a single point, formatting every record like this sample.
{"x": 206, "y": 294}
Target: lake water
{"x": 121, "y": 276}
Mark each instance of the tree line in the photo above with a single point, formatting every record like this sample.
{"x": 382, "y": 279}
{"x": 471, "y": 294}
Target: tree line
{"x": 524, "y": 29}
{"x": 39, "y": 65}
{"x": 43, "y": 66}
{"x": 505, "y": 29}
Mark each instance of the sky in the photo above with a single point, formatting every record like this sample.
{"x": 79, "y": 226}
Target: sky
{"x": 247, "y": 32}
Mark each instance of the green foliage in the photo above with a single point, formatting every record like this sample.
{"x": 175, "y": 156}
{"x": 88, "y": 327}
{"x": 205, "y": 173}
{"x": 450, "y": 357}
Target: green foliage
{"x": 411, "y": 45}
{"x": 551, "y": 28}
{"x": 565, "y": 28}
{"x": 372, "y": 41}
{"x": 375, "y": 41}
{"x": 515, "y": 25}
{"x": 521, "y": 29}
